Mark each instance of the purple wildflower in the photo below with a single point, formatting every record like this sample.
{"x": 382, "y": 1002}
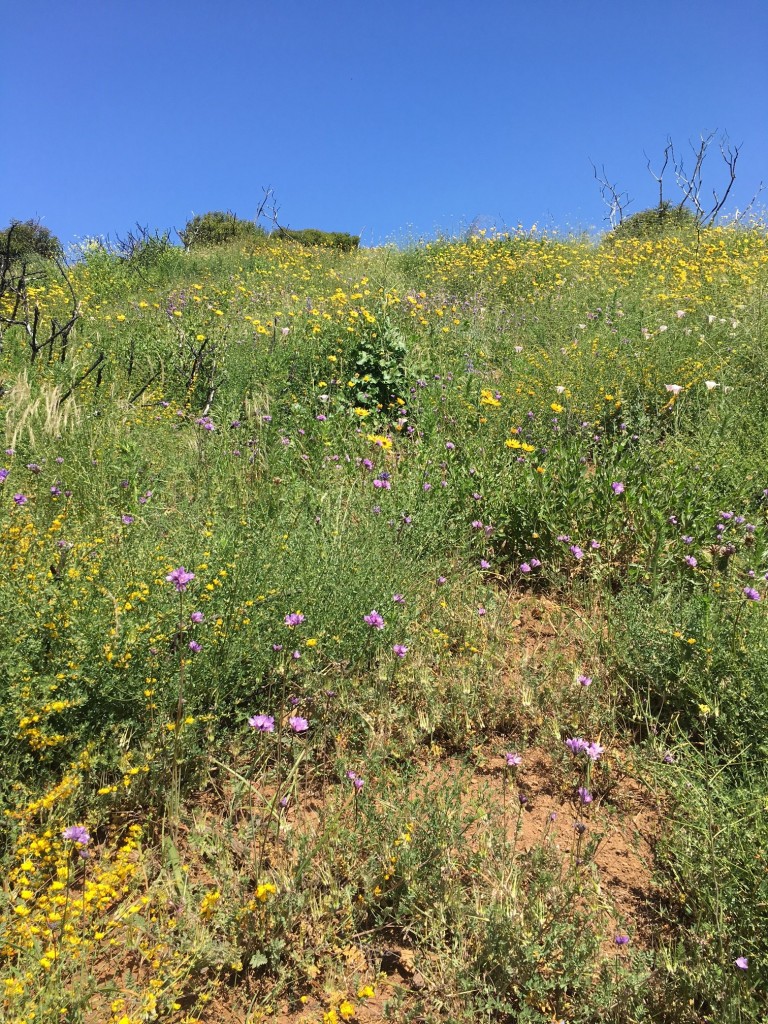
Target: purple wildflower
{"x": 194, "y": 646}
{"x": 617, "y": 487}
{"x": 576, "y": 744}
{"x": 525, "y": 568}
{"x": 576, "y": 551}
{"x": 125, "y": 520}
{"x": 742, "y": 962}
{"x": 4, "y": 475}
{"x": 20, "y": 499}
{"x": 535, "y": 563}
{"x": 751, "y": 594}
{"x": 398, "y": 599}
{"x": 293, "y": 619}
{"x": 374, "y": 620}
{"x": 180, "y": 578}
{"x": 621, "y": 940}
{"x": 298, "y": 724}
{"x": 513, "y": 760}
{"x": 77, "y": 834}
{"x": 400, "y": 650}
{"x": 594, "y": 751}
{"x": 262, "y": 723}
{"x": 485, "y": 564}
{"x": 585, "y": 680}
{"x": 196, "y": 617}
{"x": 690, "y": 560}
{"x": 584, "y": 795}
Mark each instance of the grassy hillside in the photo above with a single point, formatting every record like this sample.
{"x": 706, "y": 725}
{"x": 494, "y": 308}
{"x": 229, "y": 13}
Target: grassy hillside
{"x": 384, "y": 634}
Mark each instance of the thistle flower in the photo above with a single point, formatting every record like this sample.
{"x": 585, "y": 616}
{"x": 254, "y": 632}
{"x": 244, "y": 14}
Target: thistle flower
{"x": 374, "y": 620}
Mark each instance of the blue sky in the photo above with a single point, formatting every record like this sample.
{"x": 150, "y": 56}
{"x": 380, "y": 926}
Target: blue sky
{"x": 394, "y": 119}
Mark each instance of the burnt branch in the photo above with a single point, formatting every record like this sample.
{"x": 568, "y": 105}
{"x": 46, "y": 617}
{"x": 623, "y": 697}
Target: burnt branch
{"x": 83, "y": 376}
{"x": 26, "y": 315}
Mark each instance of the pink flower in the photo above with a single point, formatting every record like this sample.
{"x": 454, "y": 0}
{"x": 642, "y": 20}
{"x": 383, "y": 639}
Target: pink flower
{"x": 298, "y": 724}
{"x": 400, "y": 650}
{"x": 374, "y": 620}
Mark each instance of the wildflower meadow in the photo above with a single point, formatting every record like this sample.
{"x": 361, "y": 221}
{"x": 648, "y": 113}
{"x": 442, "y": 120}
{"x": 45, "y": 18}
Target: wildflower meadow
{"x": 384, "y": 632}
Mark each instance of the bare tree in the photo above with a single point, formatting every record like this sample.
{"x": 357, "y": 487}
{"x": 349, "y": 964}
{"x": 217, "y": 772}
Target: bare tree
{"x": 616, "y": 202}
{"x": 690, "y": 182}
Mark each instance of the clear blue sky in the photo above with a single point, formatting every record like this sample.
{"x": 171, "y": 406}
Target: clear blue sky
{"x": 390, "y": 118}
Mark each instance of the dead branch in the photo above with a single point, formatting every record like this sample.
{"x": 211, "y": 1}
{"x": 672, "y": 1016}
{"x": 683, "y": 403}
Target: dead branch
{"x": 617, "y": 202}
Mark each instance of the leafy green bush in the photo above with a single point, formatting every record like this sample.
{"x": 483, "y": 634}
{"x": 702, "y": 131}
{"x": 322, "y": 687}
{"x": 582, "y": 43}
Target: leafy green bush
{"x": 23, "y": 240}
{"x": 340, "y": 240}
{"x": 655, "y": 222}
{"x": 217, "y": 228}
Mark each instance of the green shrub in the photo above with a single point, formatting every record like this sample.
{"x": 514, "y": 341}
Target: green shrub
{"x": 340, "y": 240}
{"x": 656, "y": 222}
{"x": 23, "y": 240}
{"x": 217, "y": 228}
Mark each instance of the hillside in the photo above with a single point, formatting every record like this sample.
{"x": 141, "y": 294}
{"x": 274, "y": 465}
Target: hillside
{"x": 385, "y": 633}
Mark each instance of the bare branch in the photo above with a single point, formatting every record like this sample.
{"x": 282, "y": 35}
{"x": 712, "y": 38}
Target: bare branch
{"x": 616, "y": 202}
{"x": 659, "y": 178}
{"x": 730, "y": 157}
